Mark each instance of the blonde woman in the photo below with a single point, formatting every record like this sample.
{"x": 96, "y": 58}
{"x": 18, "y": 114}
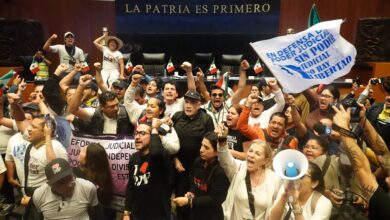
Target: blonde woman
{"x": 253, "y": 185}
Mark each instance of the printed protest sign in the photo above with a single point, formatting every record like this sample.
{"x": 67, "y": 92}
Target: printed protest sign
{"x": 317, "y": 55}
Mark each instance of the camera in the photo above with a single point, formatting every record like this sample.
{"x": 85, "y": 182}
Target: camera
{"x": 322, "y": 129}
{"x": 376, "y": 81}
{"x": 348, "y": 103}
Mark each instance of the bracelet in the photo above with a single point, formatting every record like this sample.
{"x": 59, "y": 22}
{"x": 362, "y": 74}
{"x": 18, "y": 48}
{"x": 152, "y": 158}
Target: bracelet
{"x": 297, "y": 211}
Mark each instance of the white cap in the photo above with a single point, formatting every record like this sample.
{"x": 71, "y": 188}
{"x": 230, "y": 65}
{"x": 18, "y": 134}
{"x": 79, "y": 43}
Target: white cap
{"x": 68, "y": 33}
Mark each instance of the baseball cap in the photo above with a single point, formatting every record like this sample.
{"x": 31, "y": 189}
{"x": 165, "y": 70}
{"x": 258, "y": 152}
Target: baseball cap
{"x": 193, "y": 95}
{"x": 120, "y": 83}
{"x": 57, "y": 169}
{"x": 68, "y": 33}
{"x": 31, "y": 106}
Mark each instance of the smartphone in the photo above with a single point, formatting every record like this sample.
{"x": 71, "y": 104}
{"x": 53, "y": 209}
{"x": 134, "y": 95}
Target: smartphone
{"x": 48, "y": 121}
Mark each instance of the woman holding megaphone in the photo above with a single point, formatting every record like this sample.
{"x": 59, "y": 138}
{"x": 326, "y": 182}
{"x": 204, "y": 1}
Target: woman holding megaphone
{"x": 304, "y": 201}
{"x": 253, "y": 185}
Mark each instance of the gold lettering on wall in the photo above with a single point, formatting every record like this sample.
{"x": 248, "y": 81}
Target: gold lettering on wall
{"x": 172, "y": 9}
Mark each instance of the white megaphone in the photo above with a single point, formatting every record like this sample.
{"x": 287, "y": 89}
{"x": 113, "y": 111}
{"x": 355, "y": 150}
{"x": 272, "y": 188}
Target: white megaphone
{"x": 290, "y": 164}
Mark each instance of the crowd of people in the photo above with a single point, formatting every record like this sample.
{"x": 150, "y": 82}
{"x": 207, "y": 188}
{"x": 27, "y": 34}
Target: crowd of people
{"x": 206, "y": 155}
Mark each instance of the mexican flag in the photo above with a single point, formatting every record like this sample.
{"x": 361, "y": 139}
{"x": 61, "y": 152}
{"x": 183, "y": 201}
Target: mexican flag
{"x": 129, "y": 66}
{"x": 170, "y": 67}
{"x": 223, "y": 83}
{"x": 84, "y": 67}
{"x": 6, "y": 78}
{"x": 258, "y": 68}
{"x": 213, "y": 68}
{"x": 314, "y": 17}
{"x": 34, "y": 68}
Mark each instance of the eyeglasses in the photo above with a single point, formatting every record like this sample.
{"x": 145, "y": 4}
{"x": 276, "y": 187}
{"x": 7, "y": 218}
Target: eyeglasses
{"x": 326, "y": 96}
{"x": 306, "y": 175}
{"x": 217, "y": 94}
{"x": 141, "y": 133}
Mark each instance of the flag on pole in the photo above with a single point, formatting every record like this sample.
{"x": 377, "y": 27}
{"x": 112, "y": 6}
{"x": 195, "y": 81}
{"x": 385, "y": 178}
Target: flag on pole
{"x": 314, "y": 17}
{"x": 129, "y": 66}
{"x": 213, "y": 68}
{"x": 315, "y": 56}
{"x": 223, "y": 83}
{"x": 34, "y": 68}
{"x": 6, "y": 78}
{"x": 258, "y": 68}
{"x": 170, "y": 67}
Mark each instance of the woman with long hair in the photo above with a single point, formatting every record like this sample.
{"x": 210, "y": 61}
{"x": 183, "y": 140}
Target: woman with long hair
{"x": 209, "y": 184}
{"x": 305, "y": 201}
{"x": 94, "y": 166}
{"x": 253, "y": 185}
{"x": 237, "y": 142}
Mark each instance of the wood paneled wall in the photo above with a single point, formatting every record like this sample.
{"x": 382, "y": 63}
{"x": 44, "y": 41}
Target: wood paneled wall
{"x": 86, "y": 17}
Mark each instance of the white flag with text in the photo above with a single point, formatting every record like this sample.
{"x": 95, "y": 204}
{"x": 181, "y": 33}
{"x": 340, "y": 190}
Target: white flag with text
{"x": 317, "y": 55}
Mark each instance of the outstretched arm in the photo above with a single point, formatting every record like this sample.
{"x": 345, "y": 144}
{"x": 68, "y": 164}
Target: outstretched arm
{"x": 47, "y": 44}
{"x": 186, "y": 66}
{"x": 99, "y": 79}
{"x": 67, "y": 80}
{"x": 96, "y": 42}
{"x": 241, "y": 82}
{"x": 202, "y": 86}
{"x": 359, "y": 161}
{"x": 74, "y": 105}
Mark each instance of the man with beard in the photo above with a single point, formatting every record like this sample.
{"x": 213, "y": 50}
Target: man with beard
{"x": 275, "y": 133}
{"x": 218, "y": 107}
{"x": 64, "y": 196}
{"x": 148, "y": 189}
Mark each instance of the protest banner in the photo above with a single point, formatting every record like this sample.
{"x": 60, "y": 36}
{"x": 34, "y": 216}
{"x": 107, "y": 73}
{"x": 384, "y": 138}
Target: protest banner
{"x": 118, "y": 151}
{"x": 317, "y": 55}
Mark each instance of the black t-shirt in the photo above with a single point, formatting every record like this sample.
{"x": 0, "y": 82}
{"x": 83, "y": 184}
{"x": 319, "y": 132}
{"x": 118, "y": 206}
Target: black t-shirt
{"x": 379, "y": 205}
{"x": 235, "y": 140}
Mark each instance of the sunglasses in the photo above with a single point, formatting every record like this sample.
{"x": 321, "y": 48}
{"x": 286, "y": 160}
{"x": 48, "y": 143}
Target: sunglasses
{"x": 217, "y": 94}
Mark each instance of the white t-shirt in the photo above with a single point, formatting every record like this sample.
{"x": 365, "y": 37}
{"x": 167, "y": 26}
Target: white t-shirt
{"x": 263, "y": 119}
{"x": 65, "y": 57}
{"x": 111, "y": 59}
{"x": 53, "y": 206}
{"x": 38, "y": 161}
{"x": 5, "y": 135}
{"x": 322, "y": 209}
{"x": 264, "y": 198}
{"x": 16, "y": 150}
{"x": 177, "y": 106}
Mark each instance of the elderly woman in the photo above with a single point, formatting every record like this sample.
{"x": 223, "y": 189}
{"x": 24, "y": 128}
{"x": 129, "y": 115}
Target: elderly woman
{"x": 307, "y": 200}
{"x": 253, "y": 185}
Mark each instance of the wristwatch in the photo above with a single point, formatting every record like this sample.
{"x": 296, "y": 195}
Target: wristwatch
{"x": 297, "y": 211}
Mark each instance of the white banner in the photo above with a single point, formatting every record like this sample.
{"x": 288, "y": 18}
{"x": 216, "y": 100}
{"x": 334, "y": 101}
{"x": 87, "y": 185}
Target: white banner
{"x": 118, "y": 152}
{"x": 317, "y": 55}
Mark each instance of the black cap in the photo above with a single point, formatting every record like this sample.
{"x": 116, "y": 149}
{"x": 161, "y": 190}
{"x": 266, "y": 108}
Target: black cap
{"x": 193, "y": 95}
{"x": 57, "y": 169}
{"x": 31, "y": 106}
{"x": 120, "y": 84}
